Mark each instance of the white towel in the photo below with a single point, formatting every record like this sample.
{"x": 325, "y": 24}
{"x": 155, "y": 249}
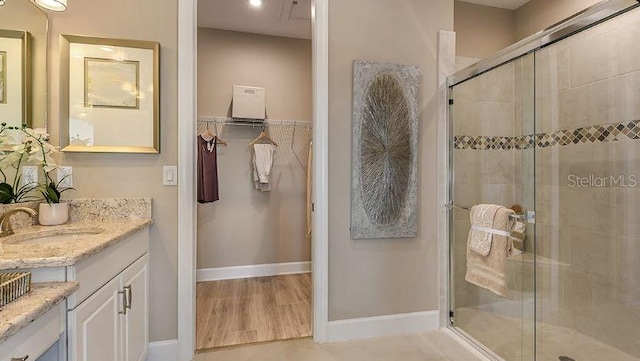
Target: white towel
{"x": 262, "y": 163}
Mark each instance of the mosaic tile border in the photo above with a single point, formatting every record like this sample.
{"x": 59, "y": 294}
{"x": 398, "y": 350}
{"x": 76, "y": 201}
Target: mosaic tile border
{"x": 615, "y": 132}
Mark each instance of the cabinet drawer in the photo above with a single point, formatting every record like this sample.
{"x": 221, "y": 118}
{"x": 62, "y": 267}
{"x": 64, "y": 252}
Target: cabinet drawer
{"x": 96, "y": 271}
{"x": 36, "y": 338}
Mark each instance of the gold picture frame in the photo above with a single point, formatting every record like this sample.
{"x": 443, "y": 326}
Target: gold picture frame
{"x": 111, "y": 92}
{"x": 15, "y": 77}
{"x": 3, "y": 77}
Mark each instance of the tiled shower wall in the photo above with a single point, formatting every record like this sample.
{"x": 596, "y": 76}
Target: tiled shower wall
{"x": 591, "y": 80}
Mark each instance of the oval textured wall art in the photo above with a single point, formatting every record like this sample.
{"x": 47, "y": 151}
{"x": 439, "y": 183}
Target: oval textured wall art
{"x": 385, "y": 149}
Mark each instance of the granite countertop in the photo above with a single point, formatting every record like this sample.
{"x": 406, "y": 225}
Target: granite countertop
{"x": 43, "y": 297}
{"x": 14, "y": 255}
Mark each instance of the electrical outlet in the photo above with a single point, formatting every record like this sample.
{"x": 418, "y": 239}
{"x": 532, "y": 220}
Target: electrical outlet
{"x": 65, "y": 177}
{"x": 29, "y": 174}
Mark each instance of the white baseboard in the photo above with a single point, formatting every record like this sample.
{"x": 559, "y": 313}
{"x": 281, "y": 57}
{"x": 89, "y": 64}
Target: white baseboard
{"x": 163, "y": 351}
{"x": 378, "y": 326}
{"x": 259, "y": 270}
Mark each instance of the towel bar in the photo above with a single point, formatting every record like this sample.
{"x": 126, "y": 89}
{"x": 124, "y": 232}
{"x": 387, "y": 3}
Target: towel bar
{"x": 528, "y": 216}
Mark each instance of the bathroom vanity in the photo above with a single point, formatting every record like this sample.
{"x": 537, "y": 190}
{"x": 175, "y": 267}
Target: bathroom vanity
{"x": 90, "y": 287}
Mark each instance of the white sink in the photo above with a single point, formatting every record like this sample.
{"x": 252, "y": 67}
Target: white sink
{"x": 54, "y": 236}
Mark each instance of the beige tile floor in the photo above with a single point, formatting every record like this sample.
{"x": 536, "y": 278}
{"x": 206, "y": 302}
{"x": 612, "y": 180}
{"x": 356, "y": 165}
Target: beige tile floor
{"x": 502, "y": 335}
{"x": 427, "y": 346}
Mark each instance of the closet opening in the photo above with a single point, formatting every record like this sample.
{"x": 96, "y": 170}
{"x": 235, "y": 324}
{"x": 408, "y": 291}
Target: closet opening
{"x": 254, "y": 131}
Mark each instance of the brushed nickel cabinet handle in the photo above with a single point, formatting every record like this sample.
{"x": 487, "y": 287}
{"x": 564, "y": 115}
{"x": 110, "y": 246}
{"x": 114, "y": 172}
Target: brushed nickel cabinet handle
{"x": 129, "y": 296}
{"x": 124, "y": 303}
{"x": 24, "y": 358}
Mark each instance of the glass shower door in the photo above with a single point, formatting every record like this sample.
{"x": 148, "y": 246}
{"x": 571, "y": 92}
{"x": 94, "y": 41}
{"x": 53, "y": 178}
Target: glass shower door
{"x": 588, "y": 193}
{"x": 492, "y": 298}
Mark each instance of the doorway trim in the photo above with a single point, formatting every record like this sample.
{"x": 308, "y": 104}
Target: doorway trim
{"x": 187, "y": 216}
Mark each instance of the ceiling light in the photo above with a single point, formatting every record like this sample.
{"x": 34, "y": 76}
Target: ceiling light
{"x": 54, "y": 5}
{"x": 255, "y": 3}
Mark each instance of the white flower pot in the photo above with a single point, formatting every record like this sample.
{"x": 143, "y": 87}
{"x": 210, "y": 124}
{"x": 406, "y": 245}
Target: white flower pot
{"x": 53, "y": 214}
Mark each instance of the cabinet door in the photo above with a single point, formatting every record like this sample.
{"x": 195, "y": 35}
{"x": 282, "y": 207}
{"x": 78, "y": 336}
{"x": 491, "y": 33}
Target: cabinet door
{"x": 135, "y": 280}
{"x": 94, "y": 328}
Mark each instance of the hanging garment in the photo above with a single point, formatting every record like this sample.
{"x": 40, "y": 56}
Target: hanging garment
{"x": 310, "y": 193}
{"x": 207, "y": 170}
{"x": 262, "y": 163}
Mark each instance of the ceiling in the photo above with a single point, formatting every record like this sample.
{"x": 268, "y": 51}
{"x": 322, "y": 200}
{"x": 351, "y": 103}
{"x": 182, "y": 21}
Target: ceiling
{"x": 287, "y": 18}
{"x": 505, "y": 4}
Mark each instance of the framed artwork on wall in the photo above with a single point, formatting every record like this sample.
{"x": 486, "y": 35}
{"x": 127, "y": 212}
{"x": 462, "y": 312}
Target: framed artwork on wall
{"x": 111, "y": 83}
{"x": 15, "y": 77}
{"x": 3, "y": 77}
{"x": 384, "y": 173}
{"x": 113, "y": 92}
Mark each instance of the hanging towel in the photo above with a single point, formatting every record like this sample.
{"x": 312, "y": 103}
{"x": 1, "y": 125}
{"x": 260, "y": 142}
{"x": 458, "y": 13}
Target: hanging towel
{"x": 481, "y": 233}
{"x": 207, "y": 170}
{"x": 262, "y": 163}
{"x": 489, "y": 271}
{"x": 310, "y": 192}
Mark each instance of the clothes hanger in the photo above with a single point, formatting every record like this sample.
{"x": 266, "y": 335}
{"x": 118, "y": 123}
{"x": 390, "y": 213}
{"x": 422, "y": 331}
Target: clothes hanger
{"x": 207, "y": 135}
{"x": 218, "y": 139}
{"x": 263, "y": 136}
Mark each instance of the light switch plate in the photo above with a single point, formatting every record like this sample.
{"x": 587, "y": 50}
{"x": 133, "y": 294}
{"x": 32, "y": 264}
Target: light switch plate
{"x": 29, "y": 174}
{"x": 65, "y": 177}
{"x": 170, "y": 175}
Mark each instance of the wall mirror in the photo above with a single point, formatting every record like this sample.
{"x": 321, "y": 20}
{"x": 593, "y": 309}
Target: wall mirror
{"x": 23, "y": 64}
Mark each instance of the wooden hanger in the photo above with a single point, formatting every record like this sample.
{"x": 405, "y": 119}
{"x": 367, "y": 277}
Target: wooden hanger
{"x": 218, "y": 139}
{"x": 207, "y": 135}
{"x": 263, "y": 136}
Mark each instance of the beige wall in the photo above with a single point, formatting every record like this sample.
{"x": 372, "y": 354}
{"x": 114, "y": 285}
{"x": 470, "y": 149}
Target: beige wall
{"x": 537, "y": 15}
{"x": 482, "y": 30}
{"x": 248, "y": 227}
{"x": 130, "y": 175}
{"x": 281, "y": 65}
{"x": 382, "y": 276}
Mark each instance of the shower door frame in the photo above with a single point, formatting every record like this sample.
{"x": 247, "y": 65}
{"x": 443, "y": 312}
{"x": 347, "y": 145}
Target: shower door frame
{"x": 579, "y": 22}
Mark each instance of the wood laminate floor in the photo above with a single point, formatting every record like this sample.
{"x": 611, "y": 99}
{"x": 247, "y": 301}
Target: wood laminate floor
{"x": 249, "y": 310}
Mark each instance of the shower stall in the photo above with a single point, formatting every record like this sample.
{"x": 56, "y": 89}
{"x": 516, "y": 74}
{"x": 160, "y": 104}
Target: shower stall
{"x": 551, "y": 126}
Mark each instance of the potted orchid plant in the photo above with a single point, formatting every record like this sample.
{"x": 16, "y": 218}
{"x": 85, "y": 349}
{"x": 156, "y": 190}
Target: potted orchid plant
{"x": 25, "y": 146}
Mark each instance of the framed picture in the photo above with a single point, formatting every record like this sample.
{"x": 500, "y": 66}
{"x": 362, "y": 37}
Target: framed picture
{"x": 111, "y": 83}
{"x": 3, "y": 77}
{"x": 15, "y": 77}
{"x": 113, "y": 92}
{"x": 384, "y": 154}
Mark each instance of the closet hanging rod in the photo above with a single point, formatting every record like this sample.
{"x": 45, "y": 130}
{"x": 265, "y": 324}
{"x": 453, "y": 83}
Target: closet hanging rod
{"x": 260, "y": 124}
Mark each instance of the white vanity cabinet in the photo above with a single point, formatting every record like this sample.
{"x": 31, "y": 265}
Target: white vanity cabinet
{"x": 107, "y": 317}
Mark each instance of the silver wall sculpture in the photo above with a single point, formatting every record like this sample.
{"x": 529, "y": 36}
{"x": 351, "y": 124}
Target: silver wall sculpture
{"x": 384, "y": 150}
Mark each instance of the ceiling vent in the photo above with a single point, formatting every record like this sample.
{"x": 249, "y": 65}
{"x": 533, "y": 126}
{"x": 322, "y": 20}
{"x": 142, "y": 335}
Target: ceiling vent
{"x": 296, "y": 10}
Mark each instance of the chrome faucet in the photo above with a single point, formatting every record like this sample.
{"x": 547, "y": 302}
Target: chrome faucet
{"x": 5, "y": 219}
